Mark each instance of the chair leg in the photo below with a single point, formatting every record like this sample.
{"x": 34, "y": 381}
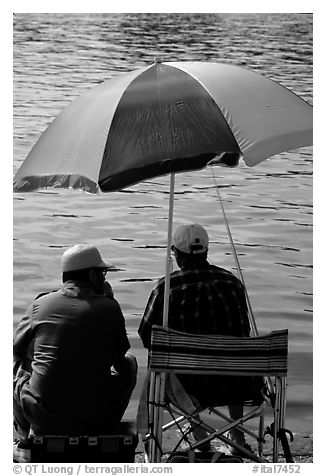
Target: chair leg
{"x": 156, "y": 443}
{"x": 261, "y": 434}
{"x": 148, "y": 445}
{"x": 153, "y": 443}
{"x": 277, "y": 417}
{"x": 282, "y": 402}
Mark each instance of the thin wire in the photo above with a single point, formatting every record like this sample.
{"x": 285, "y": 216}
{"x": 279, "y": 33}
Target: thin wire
{"x": 235, "y": 256}
{"x": 251, "y": 314}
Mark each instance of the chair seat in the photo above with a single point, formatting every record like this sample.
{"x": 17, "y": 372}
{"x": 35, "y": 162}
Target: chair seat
{"x": 221, "y": 390}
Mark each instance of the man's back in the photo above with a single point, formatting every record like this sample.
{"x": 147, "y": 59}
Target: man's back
{"x": 75, "y": 336}
{"x": 203, "y": 300}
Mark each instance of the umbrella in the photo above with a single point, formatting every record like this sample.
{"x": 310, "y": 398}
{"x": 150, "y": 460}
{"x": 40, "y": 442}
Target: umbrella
{"x": 165, "y": 118}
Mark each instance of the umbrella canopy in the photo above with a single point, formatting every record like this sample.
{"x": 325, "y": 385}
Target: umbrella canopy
{"x": 163, "y": 118}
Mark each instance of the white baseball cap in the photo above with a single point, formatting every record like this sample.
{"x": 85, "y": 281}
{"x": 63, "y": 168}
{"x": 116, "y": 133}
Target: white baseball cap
{"x": 191, "y": 239}
{"x": 82, "y": 256}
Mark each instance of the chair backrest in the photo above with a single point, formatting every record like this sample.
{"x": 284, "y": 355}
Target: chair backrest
{"x": 184, "y": 353}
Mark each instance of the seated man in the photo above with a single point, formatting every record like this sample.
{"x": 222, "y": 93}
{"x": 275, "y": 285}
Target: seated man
{"x": 72, "y": 372}
{"x": 204, "y": 299}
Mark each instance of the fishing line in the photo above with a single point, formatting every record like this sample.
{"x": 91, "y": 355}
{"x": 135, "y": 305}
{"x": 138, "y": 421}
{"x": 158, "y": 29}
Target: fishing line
{"x": 235, "y": 256}
{"x": 251, "y": 314}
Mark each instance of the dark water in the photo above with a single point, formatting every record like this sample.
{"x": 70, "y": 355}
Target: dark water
{"x": 269, "y": 207}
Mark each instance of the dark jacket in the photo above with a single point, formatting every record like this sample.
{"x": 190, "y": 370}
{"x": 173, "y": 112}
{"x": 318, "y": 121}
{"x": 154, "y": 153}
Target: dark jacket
{"x": 68, "y": 340}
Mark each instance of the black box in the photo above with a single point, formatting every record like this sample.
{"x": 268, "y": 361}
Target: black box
{"x": 116, "y": 446}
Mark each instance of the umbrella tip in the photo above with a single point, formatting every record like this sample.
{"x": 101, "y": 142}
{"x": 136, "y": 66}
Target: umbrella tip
{"x": 158, "y": 59}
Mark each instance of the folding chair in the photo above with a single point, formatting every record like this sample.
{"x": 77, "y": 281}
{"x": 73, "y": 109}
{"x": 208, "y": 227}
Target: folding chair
{"x": 173, "y": 353}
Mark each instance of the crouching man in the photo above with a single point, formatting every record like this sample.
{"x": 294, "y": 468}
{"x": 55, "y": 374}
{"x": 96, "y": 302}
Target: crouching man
{"x": 72, "y": 372}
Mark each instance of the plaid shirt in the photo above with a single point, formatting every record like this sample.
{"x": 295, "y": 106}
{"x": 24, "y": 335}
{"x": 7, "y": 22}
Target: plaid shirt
{"x": 208, "y": 300}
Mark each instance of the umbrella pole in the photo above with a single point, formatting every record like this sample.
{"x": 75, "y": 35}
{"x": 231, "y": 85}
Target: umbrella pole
{"x": 168, "y": 262}
{"x": 158, "y": 415}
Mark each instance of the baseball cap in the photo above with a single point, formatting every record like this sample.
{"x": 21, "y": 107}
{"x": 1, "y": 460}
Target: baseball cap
{"x": 82, "y": 256}
{"x": 191, "y": 239}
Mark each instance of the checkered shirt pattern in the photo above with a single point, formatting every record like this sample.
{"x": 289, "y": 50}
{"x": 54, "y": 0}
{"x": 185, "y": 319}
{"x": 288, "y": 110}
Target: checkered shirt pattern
{"x": 209, "y": 300}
